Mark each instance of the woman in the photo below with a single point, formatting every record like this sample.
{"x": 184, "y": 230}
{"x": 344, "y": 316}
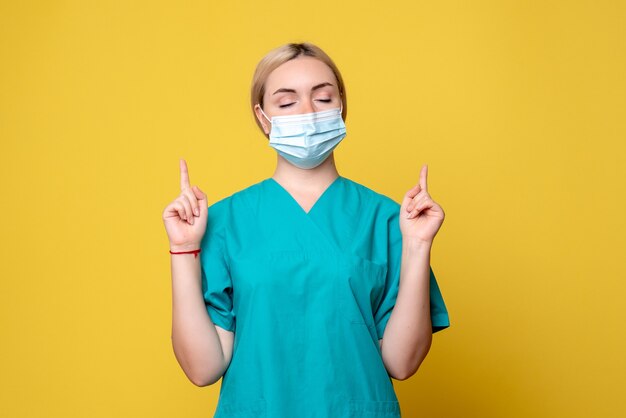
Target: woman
{"x": 310, "y": 291}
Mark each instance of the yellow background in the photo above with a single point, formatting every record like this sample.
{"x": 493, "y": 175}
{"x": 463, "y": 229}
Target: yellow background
{"x": 519, "y": 108}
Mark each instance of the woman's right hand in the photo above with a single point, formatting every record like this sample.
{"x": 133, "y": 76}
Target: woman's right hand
{"x": 185, "y": 218}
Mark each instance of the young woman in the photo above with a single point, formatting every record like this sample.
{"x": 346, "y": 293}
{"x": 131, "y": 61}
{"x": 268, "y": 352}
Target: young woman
{"x": 306, "y": 291}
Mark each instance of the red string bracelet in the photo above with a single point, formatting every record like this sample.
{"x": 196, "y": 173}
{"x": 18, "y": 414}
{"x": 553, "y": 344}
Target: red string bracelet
{"x": 194, "y": 252}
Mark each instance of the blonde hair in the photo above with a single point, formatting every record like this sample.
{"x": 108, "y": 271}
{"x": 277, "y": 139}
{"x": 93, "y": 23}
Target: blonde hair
{"x": 281, "y": 55}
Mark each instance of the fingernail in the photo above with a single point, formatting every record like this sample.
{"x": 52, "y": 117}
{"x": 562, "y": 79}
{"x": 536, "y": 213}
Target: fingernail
{"x": 196, "y": 211}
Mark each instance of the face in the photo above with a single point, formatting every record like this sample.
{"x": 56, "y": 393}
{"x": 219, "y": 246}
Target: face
{"x": 301, "y": 85}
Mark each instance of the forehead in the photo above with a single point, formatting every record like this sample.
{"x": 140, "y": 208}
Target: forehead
{"x": 300, "y": 74}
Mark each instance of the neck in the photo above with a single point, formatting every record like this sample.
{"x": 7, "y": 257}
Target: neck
{"x": 314, "y": 178}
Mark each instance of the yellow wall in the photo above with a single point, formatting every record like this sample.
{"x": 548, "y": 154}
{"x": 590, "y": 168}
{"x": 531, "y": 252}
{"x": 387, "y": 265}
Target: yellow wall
{"x": 519, "y": 108}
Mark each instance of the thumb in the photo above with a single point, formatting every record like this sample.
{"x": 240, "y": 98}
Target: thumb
{"x": 408, "y": 196}
{"x": 202, "y": 199}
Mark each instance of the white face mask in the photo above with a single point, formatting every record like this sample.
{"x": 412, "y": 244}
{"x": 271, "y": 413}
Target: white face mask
{"x": 307, "y": 139}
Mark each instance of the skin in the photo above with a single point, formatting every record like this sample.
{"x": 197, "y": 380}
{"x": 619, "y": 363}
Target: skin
{"x": 408, "y": 334}
{"x": 301, "y": 75}
{"x": 203, "y": 349}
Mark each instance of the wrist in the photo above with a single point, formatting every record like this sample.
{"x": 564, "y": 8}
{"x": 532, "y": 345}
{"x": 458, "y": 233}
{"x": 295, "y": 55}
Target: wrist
{"x": 416, "y": 245}
{"x": 184, "y": 247}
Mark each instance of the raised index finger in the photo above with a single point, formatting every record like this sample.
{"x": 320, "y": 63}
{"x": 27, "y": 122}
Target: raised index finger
{"x": 423, "y": 177}
{"x": 184, "y": 175}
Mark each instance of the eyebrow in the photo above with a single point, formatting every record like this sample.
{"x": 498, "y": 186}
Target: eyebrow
{"x": 318, "y": 86}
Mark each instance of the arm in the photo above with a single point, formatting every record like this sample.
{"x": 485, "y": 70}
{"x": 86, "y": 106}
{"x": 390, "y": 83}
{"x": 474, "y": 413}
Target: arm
{"x": 202, "y": 349}
{"x": 408, "y": 335}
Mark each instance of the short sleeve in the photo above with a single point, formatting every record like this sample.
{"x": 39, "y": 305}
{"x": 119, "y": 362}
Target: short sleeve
{"x": 216, "y": 281}
{"x": 438, "y": 310}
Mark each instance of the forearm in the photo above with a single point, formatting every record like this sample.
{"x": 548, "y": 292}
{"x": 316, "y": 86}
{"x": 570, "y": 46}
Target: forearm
{"x": 408, "y": 334}
{"x": 195, "y": 339}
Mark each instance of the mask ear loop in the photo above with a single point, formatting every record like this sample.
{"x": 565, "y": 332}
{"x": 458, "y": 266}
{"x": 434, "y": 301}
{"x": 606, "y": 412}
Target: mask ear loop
{"x": 341, "y": 101}
{"x": 268, "y": 119}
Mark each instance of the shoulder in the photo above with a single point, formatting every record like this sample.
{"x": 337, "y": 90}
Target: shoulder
{"x": 219, "y": 211}
{"x": 380, "y": 203}
{"x": 378, "y": 215}
{"x": 240, "y": 197}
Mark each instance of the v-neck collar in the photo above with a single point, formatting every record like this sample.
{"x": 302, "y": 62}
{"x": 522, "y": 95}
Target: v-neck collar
{"x": 295, "y": 202}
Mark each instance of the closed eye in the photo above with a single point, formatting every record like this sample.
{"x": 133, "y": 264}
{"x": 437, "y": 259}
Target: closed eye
{"x": 286, "y": 105}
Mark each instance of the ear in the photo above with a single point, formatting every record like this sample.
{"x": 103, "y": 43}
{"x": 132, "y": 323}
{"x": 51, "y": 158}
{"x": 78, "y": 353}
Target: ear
{"x": 261, "y": 118}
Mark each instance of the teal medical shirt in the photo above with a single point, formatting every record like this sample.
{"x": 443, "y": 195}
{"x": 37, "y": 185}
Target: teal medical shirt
{"x": 308, "y": 296}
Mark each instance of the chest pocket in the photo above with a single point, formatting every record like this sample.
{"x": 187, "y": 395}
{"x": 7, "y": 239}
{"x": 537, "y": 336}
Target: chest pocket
{"x": 362, "y": 283}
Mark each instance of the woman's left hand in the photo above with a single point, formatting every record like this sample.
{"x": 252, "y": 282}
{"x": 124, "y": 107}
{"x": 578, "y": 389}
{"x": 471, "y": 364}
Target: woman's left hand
{"x": 420, "y": 216}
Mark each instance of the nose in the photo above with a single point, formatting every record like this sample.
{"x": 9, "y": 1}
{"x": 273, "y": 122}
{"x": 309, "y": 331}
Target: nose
{"x": 307, "y": 106}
